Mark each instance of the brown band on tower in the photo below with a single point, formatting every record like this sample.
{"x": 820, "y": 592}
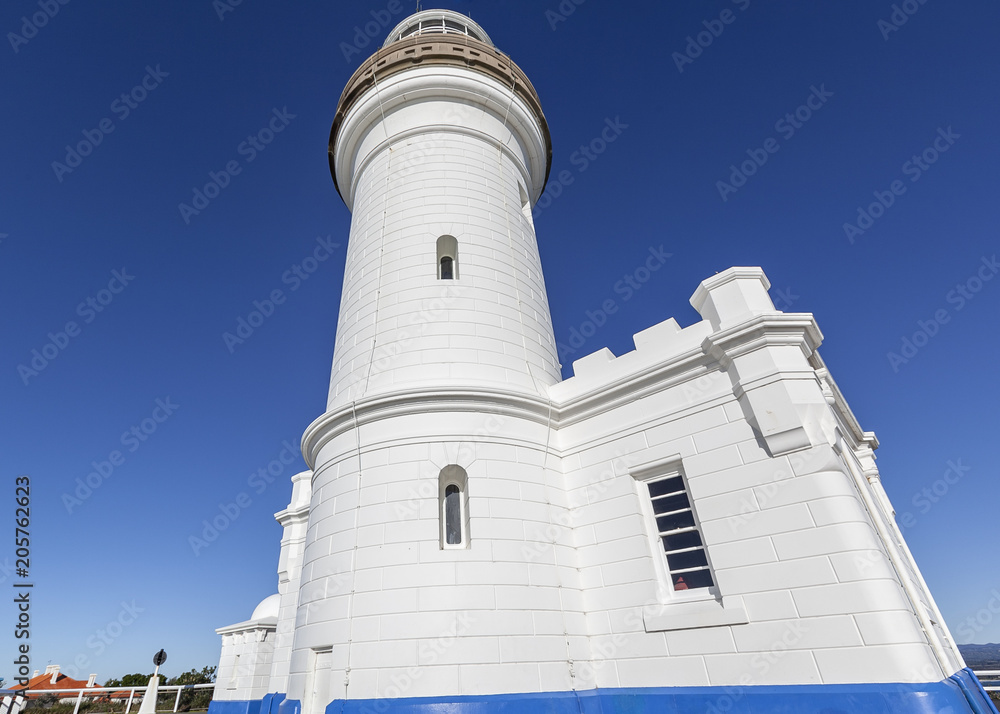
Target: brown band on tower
{"x": 431, "y": 49}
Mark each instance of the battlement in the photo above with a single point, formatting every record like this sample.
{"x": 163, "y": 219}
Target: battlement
{"x": 724, "y": 300}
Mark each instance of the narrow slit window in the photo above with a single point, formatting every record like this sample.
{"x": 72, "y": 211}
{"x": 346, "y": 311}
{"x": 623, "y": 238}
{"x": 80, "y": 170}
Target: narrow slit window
{"x": 525, "y": 205}
{"x": 447, "y": 258}
{"x": 454, "y": 507}
{"x": 678, "y": 534}
{"x": 452, "y": 515}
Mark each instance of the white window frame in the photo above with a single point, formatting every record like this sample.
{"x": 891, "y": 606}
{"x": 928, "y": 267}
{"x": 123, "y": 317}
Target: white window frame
{"x": 447, "y": 247}
{"x": 684, "y": 609}
{"x": 662, "y": 472}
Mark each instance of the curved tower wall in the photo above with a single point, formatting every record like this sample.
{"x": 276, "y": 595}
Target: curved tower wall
{"x": 441, "y": 151}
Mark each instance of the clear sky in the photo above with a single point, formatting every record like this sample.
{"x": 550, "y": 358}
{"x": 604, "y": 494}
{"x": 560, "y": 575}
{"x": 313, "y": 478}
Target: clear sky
{"x": 99, "y": 240}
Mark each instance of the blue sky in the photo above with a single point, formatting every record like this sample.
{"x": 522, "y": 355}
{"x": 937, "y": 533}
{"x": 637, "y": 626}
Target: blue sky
{"x": 875, "y": 97}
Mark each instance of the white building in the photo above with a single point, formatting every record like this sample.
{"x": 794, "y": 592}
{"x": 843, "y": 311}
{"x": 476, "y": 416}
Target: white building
{"x": 698, "y": 523}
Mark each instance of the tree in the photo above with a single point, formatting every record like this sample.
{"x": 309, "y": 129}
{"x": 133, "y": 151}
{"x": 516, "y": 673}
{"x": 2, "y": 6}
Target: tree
{"x": 193, "y": 676}
{"x": 130, "y": 680}
{"x": 46, "y": 701}
{"x": 195, "y": 698}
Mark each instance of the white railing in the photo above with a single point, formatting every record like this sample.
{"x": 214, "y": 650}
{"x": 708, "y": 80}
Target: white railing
{"x": 13, "y": 702}
{"x": 10, "y": 704}
{"x": 989, "y": 678}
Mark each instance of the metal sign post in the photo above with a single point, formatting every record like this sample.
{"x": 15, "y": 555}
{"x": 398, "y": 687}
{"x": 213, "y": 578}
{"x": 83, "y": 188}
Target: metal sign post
{"x": 148, "y": 705}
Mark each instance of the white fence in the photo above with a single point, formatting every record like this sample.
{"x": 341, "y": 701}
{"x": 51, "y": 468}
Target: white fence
{"x": 13, "y": 702}
{"x": 989, "y": 678}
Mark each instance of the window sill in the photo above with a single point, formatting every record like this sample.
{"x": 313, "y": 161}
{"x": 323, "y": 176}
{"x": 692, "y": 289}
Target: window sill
{"x": 695, "y": 615}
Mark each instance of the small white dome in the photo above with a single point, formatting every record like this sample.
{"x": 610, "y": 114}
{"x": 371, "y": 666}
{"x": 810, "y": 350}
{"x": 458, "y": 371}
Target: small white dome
{"x": 268, "y": 608}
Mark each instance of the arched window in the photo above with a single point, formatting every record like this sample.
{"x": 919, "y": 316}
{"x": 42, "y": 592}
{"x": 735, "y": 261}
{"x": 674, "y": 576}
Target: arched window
{"x": 447, "y": 258}
{"x": 454, "y": 507}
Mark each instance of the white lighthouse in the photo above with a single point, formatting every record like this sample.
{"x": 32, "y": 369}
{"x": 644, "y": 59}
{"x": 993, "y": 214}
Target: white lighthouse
{"x": 697, "y": 523}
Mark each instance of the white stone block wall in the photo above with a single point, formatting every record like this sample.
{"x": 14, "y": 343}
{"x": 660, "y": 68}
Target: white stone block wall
{"x": 225, "y": 688}
{"x": 244, "y": 671}
{"x": 562, "y": 587}
{"x": 506, "y": 614}
{"x": 433, "y": 168}
{"x": 294, "y": 520}
{"x": 811, "y": 585}
{"x": 794, "y": 549}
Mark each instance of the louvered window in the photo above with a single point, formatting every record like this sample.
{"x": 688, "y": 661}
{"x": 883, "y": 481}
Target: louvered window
{"x": 678, "y": 534}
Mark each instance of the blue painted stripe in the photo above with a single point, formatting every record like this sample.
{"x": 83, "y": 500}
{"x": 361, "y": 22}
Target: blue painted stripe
{"x": 979, "y": 700}
{"x": 289, "y": 706}
{"x": 234, "y": 707}
{"x": 959, "y": 694}
{"x": 271, "y": 703}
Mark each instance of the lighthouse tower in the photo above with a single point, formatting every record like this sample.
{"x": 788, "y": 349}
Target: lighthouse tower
{"x": 696, "y": 525}
{"x": 434, "y": 563}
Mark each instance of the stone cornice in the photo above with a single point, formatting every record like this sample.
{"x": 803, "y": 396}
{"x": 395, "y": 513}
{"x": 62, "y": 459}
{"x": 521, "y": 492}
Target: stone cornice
{"x": 290, "y": 516}
{"x": 717, "y": 350}
{"x": 841, "y": 407}
{"x": 419, "y": 402}
{"x": 634, "y": 385}
{"x": 797, "y": 329}
{"x": 268, "y": 624}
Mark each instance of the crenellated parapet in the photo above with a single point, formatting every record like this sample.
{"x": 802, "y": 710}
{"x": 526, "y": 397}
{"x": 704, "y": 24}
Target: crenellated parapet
{"x": 764, "y": 352}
